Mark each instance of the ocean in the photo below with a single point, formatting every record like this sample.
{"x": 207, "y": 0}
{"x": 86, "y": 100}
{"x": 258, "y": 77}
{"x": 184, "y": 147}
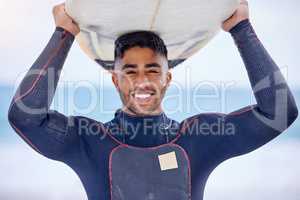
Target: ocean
{"x": 273, "y": 171}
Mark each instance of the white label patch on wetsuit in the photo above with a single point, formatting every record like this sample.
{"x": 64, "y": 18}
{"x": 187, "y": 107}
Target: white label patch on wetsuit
{"x": 149, "y": 174}
{"x": 168, "y": 161}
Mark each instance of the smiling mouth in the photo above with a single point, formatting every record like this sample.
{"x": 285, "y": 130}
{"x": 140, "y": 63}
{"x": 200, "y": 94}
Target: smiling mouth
{"x": 143, "y": 96}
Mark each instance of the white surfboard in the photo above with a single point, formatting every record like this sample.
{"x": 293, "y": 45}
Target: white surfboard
{"x": 184, "y": 25}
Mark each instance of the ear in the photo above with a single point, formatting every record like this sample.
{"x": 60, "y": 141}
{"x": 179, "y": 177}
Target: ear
{"x": 169, "y": 78}
{"x": 114, "y": 78}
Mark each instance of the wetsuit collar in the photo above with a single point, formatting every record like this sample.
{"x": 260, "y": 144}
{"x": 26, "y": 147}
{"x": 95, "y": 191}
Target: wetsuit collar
{"x": 154, "y": 118}
{"x": 143, "y": 131}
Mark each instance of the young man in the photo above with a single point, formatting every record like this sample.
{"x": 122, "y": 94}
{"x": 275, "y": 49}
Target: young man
{"x": 141, "y": 153}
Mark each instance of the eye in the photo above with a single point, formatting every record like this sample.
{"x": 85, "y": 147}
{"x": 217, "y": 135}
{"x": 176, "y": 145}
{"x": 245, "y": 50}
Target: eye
{"x": 130, "y": 72}
{"x": 153, "y": 71}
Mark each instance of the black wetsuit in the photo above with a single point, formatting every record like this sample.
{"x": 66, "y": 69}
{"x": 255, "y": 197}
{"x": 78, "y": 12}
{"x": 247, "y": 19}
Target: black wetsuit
{"x": 150, "y": 157}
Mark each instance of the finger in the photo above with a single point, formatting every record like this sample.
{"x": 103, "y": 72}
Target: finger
{"x": 69, "y": 16}
{"x": 231, "y": 16}
{"x": 75, "y": 28}
{"x": 62, "y": 7}
{"x": 75, "y": 31}
{"x": 244, "y": 2}
{"x": 57, "y": 8}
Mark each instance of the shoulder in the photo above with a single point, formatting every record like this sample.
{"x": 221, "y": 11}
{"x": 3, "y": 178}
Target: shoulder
{"x": 86, "y": 126}
{"x": 204, "y": 126}
{"x": 202, "y": 119}
{"x": 201, "y": 131}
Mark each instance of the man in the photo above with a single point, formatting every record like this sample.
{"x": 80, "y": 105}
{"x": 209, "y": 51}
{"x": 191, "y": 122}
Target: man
{"x": 141, "y": 153}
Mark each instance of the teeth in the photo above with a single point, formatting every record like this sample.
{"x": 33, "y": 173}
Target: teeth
{"x": 142, "y": 96}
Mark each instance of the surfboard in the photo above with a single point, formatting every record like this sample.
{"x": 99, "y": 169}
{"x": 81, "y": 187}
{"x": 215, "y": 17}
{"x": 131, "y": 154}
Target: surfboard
{"x": 185, "y": 26}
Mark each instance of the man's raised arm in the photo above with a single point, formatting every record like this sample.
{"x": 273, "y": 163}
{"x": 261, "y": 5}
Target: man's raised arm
{"x": 275, "y": 109}
{"x": 44, "y": 130}
{"x": 246, "y": 129}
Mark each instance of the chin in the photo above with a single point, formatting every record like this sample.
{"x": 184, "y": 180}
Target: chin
{"x": 144, "y": 110}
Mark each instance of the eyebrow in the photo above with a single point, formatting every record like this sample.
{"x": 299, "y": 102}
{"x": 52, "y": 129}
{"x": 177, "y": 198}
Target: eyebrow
{"x": 126, "y": 66}
{"x": 152, "y": 65}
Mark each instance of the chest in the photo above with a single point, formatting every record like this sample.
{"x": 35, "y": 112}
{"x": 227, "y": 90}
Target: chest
{"x": 149, "y": 173}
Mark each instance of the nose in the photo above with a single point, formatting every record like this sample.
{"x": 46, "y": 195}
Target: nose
{"x": 141, "y": 79}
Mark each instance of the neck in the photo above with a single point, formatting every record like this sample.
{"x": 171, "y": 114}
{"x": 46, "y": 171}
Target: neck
{"x": 143, "y": 131}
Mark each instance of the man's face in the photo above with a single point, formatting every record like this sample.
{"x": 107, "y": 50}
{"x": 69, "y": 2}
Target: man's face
{"x": 141, "y": 77}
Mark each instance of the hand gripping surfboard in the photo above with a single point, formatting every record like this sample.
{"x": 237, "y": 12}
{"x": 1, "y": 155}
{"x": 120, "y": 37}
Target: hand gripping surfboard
{"x": 185, "y": 26}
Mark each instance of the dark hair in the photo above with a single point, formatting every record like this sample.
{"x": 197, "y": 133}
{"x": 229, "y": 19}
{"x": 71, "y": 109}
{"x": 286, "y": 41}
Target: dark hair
{"x": 142, "y": 39}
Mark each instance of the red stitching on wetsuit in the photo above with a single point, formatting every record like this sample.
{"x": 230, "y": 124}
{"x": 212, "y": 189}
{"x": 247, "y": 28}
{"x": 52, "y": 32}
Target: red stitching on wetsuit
{"x": 107, "y": 132}
{"x": 149, "y": 149}
{"x": 179, "y": 133}
{"x": 189, "y": 168}
{"x": 25, "y": 138}
{"x": 241, "y": 111}
{"x": 110, "y": 166}
{"x": 30, "y": 89}
{"x": 185, "y": 125}
{"x": 42, "y": 71}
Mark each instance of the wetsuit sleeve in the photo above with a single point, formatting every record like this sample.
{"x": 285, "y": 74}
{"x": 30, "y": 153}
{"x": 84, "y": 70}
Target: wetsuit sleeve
{"x": 275, "y": 109}
{"x": 49, "y": 132}
{"x": 248, "y": 128}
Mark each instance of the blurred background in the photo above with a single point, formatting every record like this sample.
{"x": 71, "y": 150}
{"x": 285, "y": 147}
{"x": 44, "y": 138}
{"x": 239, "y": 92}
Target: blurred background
{"x": 213, "y": 80}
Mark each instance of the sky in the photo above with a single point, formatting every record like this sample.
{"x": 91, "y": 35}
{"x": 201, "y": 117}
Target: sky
{"x": 27, "y": 27}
